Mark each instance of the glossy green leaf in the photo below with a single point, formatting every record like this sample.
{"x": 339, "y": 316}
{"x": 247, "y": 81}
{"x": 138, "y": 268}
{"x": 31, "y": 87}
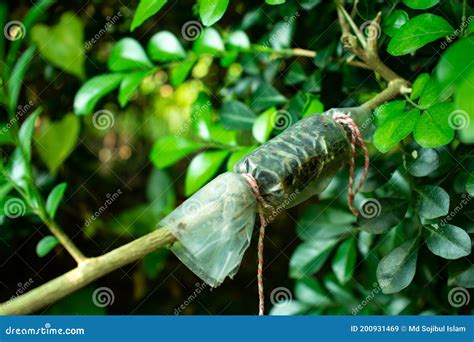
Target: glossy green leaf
{"x": 202, "y": 168}
{"x": 54, "y": 199}
{"x": 266, "y": 96}
{"x": 394, "y": 21}
{"x": 180, "y": 71}
{"x": 46, "y": 245}
{"x": 463, "y": 277}
{"x": 146, "y": 9}
{"x": 417, "y": 32}
{"x": 431, "y": 201}
{"x": 209, "y": 42}
{"x": 382, "y": 112}
{"x": 17, "y": 75}
{"x": 65, "y": 131}
{"x": 378, "y": 216}
{"x": 422, "y": 162}
{"x": 309, "y": 291}
{"x": 432, "y": 94}
{"x": 236, "y": 115}
{"x": 93, "y": 90}
{"x": 309, "y": 257}
{"x": 129, "y": 84}
{"x": 263, "y": 125}
{"x": 211, "y": 11}
{"x": 170, "y": 149}
{"x": 275, "y": 2}
{"x": 202, "y": 116}
{"x": 128, "y": 54}
{"x": 419, "y": 85}
{"x": 165, "y": 47}
{"x": 313, "y": 106}
{"x": 463, "y": 117}
{"x": 449, "y": 242}
{"x": 433, "y": 128}
{"x": 344, "y": 260}
{"x": 396, "y": 127}
{"x": 420, "y": 4}
{"x": 397, "y": 269}
{"x": 26, "y": 133}
{"x": 239, "y": 40}
{"x": 63, "y": 44}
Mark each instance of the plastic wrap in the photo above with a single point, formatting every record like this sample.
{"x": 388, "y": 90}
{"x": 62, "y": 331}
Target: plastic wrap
{"x": 298, "y": 163}
{"x": 214, "y": 227}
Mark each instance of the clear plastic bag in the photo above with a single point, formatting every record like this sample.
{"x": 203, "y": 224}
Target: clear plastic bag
{"x": 214, "y": 227}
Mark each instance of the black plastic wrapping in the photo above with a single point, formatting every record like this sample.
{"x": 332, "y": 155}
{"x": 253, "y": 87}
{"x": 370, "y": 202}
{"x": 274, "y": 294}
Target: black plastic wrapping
{"x": 300, "y": 162}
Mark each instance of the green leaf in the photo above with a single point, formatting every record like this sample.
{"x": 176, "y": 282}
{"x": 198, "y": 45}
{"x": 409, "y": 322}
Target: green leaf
{"x": 54, "y": 198}
{"x": 417, "y": 32}
{"x": 470, "y": 185}
{"x": 419, "y": 85}
{"x": 128, "y": 54}
{"x": 465, "y": 108}
{"x": 309, "y": 257}
{"x": 202, "y": 168}
{"x": 236, "y": 115}
{"x": 313, "y": 106}
{"x": 433, "y": 127}
{"x": 378, "y": 216}
{"x": 344, "y": 261}
{"x": 263, "y": 125}
{"x": 17, "y": 75}
{"x": 451, "y": 67}
{"x": 129, "y": 84}
{"x": 180, "y": 71}
{"x": 56, "y": 140}
{"x": 63, "y": 44}
{"x": 170, "y": 149}
{"x": 433, "y": 93}
{"x": 209, "y": 42}
{"x": 275, "y": 2}
{"x": 396, "y": 127}
{"x": 422, "y": 162}
{"x": 464, "y": 277}
{"x": 165, "y": 47}
{"x": 211, "y": 11}
{"x": 93, "y": 90}
{"x": 237, "y": 155}
{"x": 289, "y": 308}
{"x": 420, "y": 4}
{"x": 431, "y": 201}
{"x": 449, "y": 242}
{"x": 394, "y": 21}
{"x": 266, "y": 96}
{"x": 382, "y": 112}
{"x": 238, "y": 40}
{"x": 145, "y": 9}
{"x": 46, "y": 245}
{"x": 160, "y": 193}
{"x": 397, "y": 269}
{"x": 26, "y": 132}
{"x": 309, "y": 291}
{"x": 295, "y": 75}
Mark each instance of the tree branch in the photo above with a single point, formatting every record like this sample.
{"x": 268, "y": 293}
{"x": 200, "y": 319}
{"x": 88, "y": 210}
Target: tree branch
{"x": 85, "y": 273}
{"x": 65, "y": 241}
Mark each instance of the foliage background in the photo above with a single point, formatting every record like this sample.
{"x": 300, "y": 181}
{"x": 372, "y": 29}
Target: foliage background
{"x": 320, "y": 260}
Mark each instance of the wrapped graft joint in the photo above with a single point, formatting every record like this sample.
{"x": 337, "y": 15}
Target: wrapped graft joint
{"x": 215, "y": 225}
